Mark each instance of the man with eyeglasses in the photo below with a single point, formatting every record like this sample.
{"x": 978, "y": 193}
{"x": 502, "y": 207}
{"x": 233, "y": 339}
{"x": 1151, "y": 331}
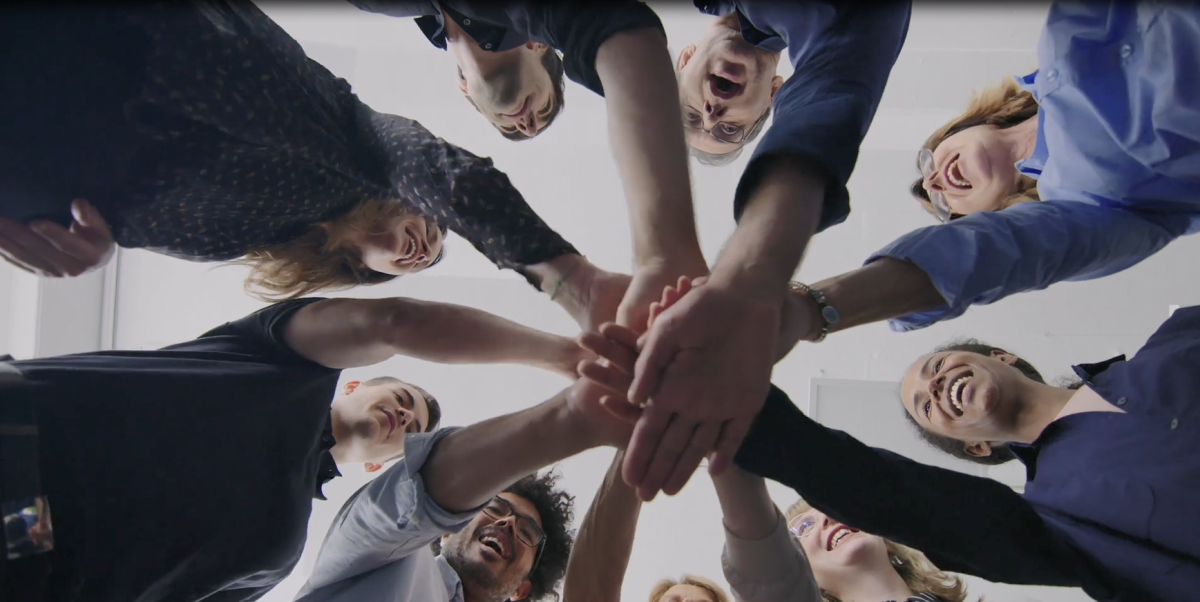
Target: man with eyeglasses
{"x": 502, "y": 532}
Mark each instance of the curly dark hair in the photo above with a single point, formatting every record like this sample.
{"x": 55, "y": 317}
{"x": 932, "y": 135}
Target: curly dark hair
{"x": 557, "y": 510}
{"x": 1000, "y": 453}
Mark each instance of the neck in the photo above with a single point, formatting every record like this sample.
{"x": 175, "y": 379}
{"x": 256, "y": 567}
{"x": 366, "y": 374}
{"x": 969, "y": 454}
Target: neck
{"x": 1022, "y": 138}
{"x": 1045, "y": 404}
{"x": 466, "y": 51}
{"x": 873, "y": 586}
{"x": 341, "y": 452}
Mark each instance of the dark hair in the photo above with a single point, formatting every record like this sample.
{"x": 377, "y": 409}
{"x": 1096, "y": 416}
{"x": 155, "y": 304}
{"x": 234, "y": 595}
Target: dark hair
{"x": 556, "y": 509}
{"x": 553, "y": 64}
{"x": 435, "y": 409}
{"x": 717, "y": 160}
{"x": 1000, "y": 453}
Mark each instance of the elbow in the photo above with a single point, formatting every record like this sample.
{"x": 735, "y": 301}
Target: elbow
{"x": 395, "y": 321}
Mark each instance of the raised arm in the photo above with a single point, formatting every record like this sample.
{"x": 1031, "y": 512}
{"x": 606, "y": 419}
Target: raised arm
{"x": 604, "y": 544}
{"x": 346, "y": 333}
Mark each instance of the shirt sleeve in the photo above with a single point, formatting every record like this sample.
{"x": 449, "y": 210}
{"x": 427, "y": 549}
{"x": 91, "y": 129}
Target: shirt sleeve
{"x": 387, "y": 520}
{"x": 259, "y": 334}
{"x": 772, "y": 569}
{"x": 822, "y": 112}
{"x": 1026, "y": 247}
{"x": 464, "y": 193}
{"x": 945, "y": 514}
{"x": 392, "y": 8}
{"x": 578, "y": 29}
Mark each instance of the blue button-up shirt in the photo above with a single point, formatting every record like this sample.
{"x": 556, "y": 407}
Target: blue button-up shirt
{"x": 1117, "y": 161}
{"x": 1112, "y": 502}
{"x": 378, "y": 546}
{"x": 842, "y": 53}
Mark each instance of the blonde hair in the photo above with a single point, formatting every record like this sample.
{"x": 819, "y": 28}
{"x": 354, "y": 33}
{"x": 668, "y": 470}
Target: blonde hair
{"x": 321, "y": 259}
{"x": 660, "y": 589}
{"x": 1003, "y": 106}
{"x": 918, "y": 573}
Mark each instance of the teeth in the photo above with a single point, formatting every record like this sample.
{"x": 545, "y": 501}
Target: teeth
{"x": 956, "y": 181}
{"x": 489, "y": 539}
{"x": 839, "y": 538}
{"x": 956, "y": 390}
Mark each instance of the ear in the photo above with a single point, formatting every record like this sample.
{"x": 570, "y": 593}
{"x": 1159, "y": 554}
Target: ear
{"x": 776, "y": 84}
{"x": 351, "y": 386}
{"x": 371, "y": 466}
{"x": 523, "y": 591}
{"x": 685, "y": 56}
{"x": 979, "y": 449}
{"x": 462, "y": 85}
{"x": 1004, "y": 356}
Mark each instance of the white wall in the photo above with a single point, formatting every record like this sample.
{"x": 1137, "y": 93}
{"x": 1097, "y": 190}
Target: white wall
{"x": 568, "y": 176}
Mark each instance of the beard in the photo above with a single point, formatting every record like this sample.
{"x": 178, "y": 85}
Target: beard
{"x": 476, "y": 575}
{"x": 501, "y": 87}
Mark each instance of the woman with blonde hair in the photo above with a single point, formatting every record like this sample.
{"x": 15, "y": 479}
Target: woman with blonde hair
{"x": 689, "y": 588}
{"x": 202, "y": 131}
{"x": 852, "y": 565}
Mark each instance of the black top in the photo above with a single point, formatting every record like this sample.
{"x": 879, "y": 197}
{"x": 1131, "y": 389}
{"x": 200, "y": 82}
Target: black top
{"x": 176, "y": 473}
{"x": 1111, "y": 505}
{"x": 577, "y": 28}
{"x": 215, "y": 135}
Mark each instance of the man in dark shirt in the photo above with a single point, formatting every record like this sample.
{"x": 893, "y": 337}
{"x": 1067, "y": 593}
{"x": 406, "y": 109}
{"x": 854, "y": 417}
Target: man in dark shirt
{"x": 189, "y": 471}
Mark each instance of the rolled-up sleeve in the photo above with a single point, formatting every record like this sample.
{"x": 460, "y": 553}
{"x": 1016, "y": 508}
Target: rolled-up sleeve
{"x": 822, "y": 112}
{"x": 986, "y": 257}
{"x": 390, "y": 518}
{"x": 771, "y": 569}
{"x": 464, "y": 193}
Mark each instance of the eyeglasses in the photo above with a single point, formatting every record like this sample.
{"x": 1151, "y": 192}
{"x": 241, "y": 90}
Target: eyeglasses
{"x": 941, "y": 209}
{"x": 526, "y": 529}
{"x": 801, "y": 525}
{"x": 725, "y": 132}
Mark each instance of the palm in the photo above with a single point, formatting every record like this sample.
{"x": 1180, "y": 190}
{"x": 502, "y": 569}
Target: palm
{"x": 584, "y": 400}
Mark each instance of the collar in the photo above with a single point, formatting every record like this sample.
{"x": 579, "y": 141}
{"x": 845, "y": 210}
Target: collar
{"x": 1036, "y": 163}
{"x": 326, "y": 468}
{"x": 450, "y": 578}
{"x": 1087, "y": 372}
{"x": 489, "y": 36}
{"x": 760, "y": 39}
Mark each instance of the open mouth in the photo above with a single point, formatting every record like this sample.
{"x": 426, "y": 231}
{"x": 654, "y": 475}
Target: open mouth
{"x": 393, "y": 422}
{"x": 498, "y": 543}
{"x": 954, "y": 176}
{"x": 837, "y": 535}
{"x": 412, "y": 248}
{"x": 522, "y": 110}
{"x": 723, "y": 88}
{"x": 956, "y": 393}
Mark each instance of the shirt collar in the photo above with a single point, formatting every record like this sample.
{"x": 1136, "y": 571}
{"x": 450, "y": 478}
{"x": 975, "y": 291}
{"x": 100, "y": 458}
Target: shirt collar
{"x": 326, "y": 468}
{"x": 1036, "y": 163}
{"x": 450, "y": 578}
{"x": 489, "y": 36}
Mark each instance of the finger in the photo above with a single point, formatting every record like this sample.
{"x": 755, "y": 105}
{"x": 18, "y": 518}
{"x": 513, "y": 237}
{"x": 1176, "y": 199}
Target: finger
{"x": 621, "y": 408}
{"x": 666, "y": 456}
{"x": 703, "y": 441}
{"x": 24, "y": 246}
{"x": 655, "y": 309}
{"x": 699, "y": 280}
{"x": 727, "y": 446}
{"x": 645, "y": 438}
{"x": 620, "y": 356}
{"x": 13, "y": 261}
{"x": 72, "y": 253}
{"x": 88, "y": 216}
{"x": 658, "y": 353}
{"x": 610, "y": 378}
{"x": 620, "y": 334}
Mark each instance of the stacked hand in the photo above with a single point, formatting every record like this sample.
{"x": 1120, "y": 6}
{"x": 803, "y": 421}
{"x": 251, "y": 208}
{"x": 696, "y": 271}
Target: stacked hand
{"x": 50, "y": 250}
{"x": 701, "y": 377}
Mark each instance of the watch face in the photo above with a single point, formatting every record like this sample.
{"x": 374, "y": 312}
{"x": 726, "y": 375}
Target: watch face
{"x": 830, "y": 314}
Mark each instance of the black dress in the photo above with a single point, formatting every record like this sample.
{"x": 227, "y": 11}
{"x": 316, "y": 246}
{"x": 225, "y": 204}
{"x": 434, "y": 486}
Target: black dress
{"x": 201, "y": 130}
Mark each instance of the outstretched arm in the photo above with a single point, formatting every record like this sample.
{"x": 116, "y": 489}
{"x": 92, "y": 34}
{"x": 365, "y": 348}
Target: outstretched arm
{"x": 346, "y": 333}
{"x": 602, "y": 549}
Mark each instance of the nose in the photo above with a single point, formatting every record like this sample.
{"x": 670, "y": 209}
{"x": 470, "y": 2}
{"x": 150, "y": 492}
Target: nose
{"x": 936, "y": 385}
{"x": 714, "y": 110}
{"x": 528, "y": 124}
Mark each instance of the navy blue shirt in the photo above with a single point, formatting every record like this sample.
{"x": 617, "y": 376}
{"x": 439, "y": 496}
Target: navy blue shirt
{"x": 1112, "y": 502}
{"x": 577, "y": 29}
{"x": 842, "y": 53}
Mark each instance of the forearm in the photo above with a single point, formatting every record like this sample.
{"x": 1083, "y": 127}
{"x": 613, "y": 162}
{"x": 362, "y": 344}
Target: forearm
{"x": 878, "y": 291}
{"x": 646, "y": 135}
{"x": 471, "y": 465}
{"x": 746, "y": 506}
{"x": 775, "y": 227}
{"x": 600, "y": 557}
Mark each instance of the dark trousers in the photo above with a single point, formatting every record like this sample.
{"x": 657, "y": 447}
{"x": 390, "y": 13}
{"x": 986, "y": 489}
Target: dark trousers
{"x": 26, "y": 577}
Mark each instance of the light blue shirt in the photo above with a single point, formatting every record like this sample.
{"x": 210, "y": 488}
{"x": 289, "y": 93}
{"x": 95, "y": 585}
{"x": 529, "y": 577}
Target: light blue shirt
{"x": 378, "y": 546}
{"x": 1117, "y": 161}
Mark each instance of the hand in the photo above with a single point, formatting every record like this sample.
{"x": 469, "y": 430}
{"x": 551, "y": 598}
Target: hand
{"x": 591, "y": 295}
{"x": 585, "y": 402}
{"x": 798, "y": 321}
{"x": 49, "y": 250}
{"x": 570, "y": 356}
{"x": 702, "y": 377}
{"x": 648, "y": 284}
{"x": 40, "y": 535}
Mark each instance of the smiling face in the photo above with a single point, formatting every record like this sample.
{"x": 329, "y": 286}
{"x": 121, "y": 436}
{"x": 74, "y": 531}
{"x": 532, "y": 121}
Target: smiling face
{"x": 686, "y": 592}
{"x": 515, "y": 93}
{"x": 837, "y": 553}
{"x": 973, "y": 170}
{"x": 489, "y": 555}
{"x": 371, "y": 421}
{"x": 725, "y": 86}
{"x": 966, "y": 396}
{"x": 404, "y": 245}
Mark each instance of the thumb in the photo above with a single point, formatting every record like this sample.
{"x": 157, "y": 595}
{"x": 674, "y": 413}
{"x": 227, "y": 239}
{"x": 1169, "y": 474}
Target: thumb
{"x": 621, "y": 409}
{"x": 659, "y": 349}
{"x": 87, "y": 216}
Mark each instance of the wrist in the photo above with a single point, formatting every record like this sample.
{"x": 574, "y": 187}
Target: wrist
{"x": 550, "y": 274}
{"x": 814, "y": 322}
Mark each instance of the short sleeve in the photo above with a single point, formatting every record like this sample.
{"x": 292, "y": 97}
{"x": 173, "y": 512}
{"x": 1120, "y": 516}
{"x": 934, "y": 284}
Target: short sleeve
{"x": 260, "y": 334}
{"x": 771, "y": 569}
{"x": 579, "y": 29}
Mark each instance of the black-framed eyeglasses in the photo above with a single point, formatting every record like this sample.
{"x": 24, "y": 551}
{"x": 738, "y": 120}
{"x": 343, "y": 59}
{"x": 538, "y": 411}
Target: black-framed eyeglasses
{"x": 526, "y": 529}
{"x": 725, "y": 132}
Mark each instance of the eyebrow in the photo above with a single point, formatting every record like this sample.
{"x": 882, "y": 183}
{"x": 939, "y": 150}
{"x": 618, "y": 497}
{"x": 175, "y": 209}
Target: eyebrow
{"x": 405, "y": 396}
{"x": 924, "y": 371}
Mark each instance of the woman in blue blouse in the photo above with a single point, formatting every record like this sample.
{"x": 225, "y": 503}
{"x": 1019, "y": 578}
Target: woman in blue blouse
{"x": 1110, "y": 130}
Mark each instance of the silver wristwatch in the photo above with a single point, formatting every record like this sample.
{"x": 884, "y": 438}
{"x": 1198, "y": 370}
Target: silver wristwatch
{"x": 829, "y": 314}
